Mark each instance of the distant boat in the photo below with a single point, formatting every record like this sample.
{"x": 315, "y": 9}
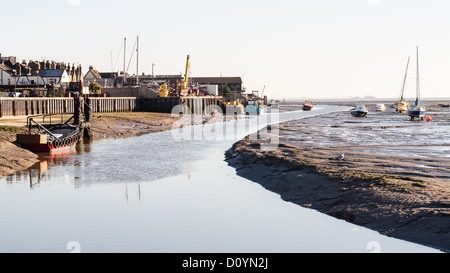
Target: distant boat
{"x": 273, "y": 104}
{"x": 359, "y": 111}
{"x": 380, "y": 107}
{"x": 418, "y": 111}
{"x": 307, "y": 106}
{"x": 402, "y": 105}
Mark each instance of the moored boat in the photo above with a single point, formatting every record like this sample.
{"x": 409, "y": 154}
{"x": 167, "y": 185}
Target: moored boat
{"x": 380, "y": 107}
{"x": 401, "y": 106}
{"x": 418, "y": 111}
{"x": 307, "y": 106}
{"x": 359, "y": 111}
{"x": 55, "y": 139}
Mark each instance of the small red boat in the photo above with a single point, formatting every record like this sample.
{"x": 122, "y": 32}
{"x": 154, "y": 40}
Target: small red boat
{"x": 307, "y": 106}
{"x": 58, "y": 138}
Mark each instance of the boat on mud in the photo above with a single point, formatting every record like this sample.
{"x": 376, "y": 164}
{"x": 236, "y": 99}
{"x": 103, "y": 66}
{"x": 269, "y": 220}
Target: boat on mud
{"x": 359, "y": 111}
{"x": 380, "y": 107}
{"x": 57, "y": 138}
{"x": 401, "y": 106}
{"x": 418, "y": 111}
{"x": 307, "y": 106}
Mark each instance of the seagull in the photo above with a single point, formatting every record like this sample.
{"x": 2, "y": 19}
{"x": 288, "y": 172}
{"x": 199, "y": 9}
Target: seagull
{"x": 340, "y": 157}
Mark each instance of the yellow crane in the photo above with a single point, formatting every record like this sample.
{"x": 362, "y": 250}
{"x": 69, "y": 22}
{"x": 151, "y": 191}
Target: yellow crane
{"x": 184, "y": 88}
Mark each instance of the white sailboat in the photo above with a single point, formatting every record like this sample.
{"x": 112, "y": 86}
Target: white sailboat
{"x": 418, "y": 111}
{"x": 402, "y": 105}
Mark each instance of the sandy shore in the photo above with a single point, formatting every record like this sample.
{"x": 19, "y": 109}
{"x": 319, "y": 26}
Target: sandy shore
{"x": 395, "y": 194}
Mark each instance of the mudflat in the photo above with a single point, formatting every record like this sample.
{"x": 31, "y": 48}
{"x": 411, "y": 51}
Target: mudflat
{"x": 373, "y": 172}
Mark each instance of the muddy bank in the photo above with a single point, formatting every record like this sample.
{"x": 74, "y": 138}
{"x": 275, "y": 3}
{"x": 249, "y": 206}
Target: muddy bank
{"x": 122, "y": 125}
{"x": 393, "y": 193}
{"x": 13, "y": 158}
{"x": 104, "y": 125}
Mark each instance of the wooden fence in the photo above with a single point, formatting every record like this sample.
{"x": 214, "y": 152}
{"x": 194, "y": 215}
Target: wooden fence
{"x": 36, "y": 106}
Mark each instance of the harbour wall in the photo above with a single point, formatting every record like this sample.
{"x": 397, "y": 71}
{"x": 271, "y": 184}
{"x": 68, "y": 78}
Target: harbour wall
{"x": 10, "y": 107}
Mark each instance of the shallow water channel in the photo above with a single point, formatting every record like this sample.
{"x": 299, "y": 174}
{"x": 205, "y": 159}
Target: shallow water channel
{"x": 168, "y": 192}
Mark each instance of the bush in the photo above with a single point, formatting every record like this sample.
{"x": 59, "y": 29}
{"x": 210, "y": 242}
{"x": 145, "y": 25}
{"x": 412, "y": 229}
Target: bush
{"x": 95, "y": 88}
{"x": 224, "y": 90}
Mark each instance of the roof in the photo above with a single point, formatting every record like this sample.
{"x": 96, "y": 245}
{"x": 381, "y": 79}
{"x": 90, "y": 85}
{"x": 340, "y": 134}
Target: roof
{"x": 217, "y": 80}
{"x": 108, "y": 75}
{"x": 94, "y": 72}
{"x": 51, "y": 73}
{"x": 6, "y": 68}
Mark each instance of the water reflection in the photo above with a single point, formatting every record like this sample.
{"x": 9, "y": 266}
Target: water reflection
{"x": 39, "y": 171}
{"x": 139, "y": 192}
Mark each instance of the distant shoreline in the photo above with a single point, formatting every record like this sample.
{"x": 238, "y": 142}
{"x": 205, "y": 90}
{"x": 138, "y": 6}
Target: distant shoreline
{"x": 368, "y": 99}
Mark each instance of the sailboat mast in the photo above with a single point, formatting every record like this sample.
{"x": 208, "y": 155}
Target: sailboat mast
{"x": 417, "y": 79}
{"x": 137, "y": 60}
{"x": 404, "y": 80}
{"x": 124, "y": 57}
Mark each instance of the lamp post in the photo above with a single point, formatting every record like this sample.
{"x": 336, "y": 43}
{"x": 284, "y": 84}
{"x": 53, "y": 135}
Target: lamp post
{"x": 37, "y": 82}
{"x": 153, "y": 71}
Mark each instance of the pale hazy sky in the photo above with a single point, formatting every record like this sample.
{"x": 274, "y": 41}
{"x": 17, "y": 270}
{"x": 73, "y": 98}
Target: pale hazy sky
{"x": 296, "y": 48}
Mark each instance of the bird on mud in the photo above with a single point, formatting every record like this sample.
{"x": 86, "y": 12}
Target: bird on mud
{"x": 340, "y": 157}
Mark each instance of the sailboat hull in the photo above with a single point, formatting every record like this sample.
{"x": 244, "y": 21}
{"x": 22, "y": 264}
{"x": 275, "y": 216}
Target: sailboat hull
{"x": 401, "y": 106}
{"x": 416, "y": 112}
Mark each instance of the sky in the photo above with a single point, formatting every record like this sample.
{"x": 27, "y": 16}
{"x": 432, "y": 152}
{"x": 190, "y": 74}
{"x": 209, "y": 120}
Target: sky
{"x": 288, "y": 48}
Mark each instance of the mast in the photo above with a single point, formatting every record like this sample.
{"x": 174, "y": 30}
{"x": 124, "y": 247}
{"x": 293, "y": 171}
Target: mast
{"x": 124, "y": 55}
{"x": 112, "y": 68}
{"x": 417, "y": 79}
{"x": 404, "y": 80}
{"x": 137, "y": 60}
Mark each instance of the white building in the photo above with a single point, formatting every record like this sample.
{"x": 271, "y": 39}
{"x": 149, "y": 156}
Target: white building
{"x": 57, "y": 77}
{"x": 6, "y": 77}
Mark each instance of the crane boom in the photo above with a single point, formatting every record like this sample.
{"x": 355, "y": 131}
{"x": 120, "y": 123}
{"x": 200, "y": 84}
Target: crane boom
{"x": 186, "y": 76}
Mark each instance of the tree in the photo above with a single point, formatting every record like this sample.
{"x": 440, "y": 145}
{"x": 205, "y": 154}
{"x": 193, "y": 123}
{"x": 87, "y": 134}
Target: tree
{"x": 224, "y": 90}
{"x": 95, "y": 88}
